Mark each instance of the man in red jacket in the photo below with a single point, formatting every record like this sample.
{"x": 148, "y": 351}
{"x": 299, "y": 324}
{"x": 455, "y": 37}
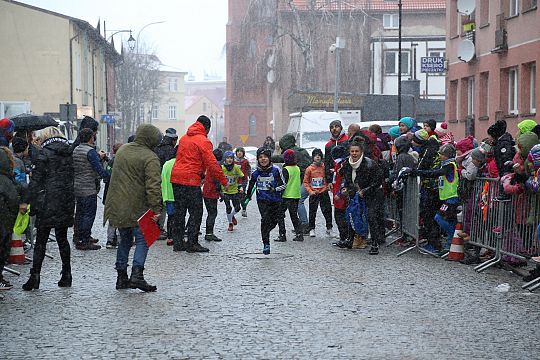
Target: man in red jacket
{"x": 194, "y": 158}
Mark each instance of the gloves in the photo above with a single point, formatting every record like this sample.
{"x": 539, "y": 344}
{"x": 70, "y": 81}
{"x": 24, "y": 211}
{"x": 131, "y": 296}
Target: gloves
{"x": 169, "y": 205}
{"x": 246, "y": 201}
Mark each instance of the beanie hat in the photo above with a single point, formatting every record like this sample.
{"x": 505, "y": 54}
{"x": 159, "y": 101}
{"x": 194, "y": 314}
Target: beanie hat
{"x": 170, "y": 132}
{"x": 441, "y": 129}
{"x": 421, "y": 136}
{"x": 317, "y": 152}
{"x": 394, "y": 132}
{"x": 264, "y": 151}
{"x": 498, "y": 129}
{"x": 336, "y": 123}
{"x": 339, "y": 152}
{"x": 486, "y": 148}
{"x": 431, "y": 123}
{"x": 448, "y": 150}
{"x": 228, "y": 154}
{"x": 203, "y": 119}
{"x": 89, "y": 123}
{"x": 402, "y": 144}
{"x": 526, "y": 126}
{"x": 218, "y": 153}
{"x": 407, "y": 121}
{"x": 478, "y": 155}
{"x": 465, "y": 144}
{"x": 19, "y": 145}
{"x": 289, "y": 157}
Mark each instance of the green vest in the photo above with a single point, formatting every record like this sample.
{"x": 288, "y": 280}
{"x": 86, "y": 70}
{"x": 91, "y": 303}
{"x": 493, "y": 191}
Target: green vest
{"x": 449, "y": 189}
{"x": 166, "y": 186}
{"x": 292, "y": 191}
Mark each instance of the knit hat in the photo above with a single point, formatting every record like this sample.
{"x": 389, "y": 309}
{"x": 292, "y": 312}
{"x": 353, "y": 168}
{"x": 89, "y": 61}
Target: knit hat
{"x": 6, "y": 131}
{"x": 335, "y": 122}
{"x": 228, "y": 154}
{"x": 407, "y": 121}
{"x": 421, "y": 136}
{"x": 289, "y": 157}
{"x": 478, "y": 155}
{"x": 526, "y": 126}
{"x": 402, "y": 144}
{"x": 317, "y": 152}
{"x": 89, "y": 123}
{"x": 441, "y": 129}
{"x": 203, "y": 119}
{"x": 394, "y": 132}
{"x": 431, "y": 123}
{"x": 19, "y": 145}
{"x": 486, "y": 148}
{"x": 498, "y": 129}
{"x": 218, "y": 153}
{"x": 339, "y": 152}
{"x": 448, "y": 150}
{"x": 170, "y": 132}
{"x": 264, "y": 151}
{"x": 465, "y": 144}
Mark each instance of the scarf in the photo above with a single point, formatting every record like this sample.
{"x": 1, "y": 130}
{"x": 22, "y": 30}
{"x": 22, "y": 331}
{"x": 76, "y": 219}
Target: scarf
{"x": 229, "y": 167}
{"x": 355, "y": 166}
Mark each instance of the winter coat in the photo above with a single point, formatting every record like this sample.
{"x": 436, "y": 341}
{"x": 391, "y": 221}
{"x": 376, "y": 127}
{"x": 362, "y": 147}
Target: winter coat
{"x": 245, "y": 167}
{"x": 504, "y": 152}
{"x": 429, "y": 159}
{"x": 166, "y": 186}
{"x": 9, "y": 196}
{"x": 303, "y": 160}
{"x": 194, "y": 158}
{"x": 165, "y": 150}
{"x": 314, "y": 179}
{"x": 525, "y": 143}
{"x": 269, "y": 183}
{"x": 468, "y": 171}
{"x": 328, "y": 161}
{"x": 403, "y": 159}
{"x": 135, "y": 185}
{"x": 211, "y": 187}
{"x": 52, "y": 193}
{"x": 369, "y": 177}
{"x": 339, "y": 200}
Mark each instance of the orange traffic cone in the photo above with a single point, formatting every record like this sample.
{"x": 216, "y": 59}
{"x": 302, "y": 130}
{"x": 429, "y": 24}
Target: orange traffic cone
{"x": 457, "y": 251}
{"x": 16, "y": 254}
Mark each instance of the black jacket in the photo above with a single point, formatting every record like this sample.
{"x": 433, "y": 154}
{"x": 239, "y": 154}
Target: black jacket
{"x": 165, "y": 150}
{"x": 9, "y": 195}
{"x": 52, "y": 196}
{"x": 369, "y": 177}
{"x": 504, "y": 151}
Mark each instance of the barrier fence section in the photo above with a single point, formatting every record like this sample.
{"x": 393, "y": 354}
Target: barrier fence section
{"x": 411, "y": 207}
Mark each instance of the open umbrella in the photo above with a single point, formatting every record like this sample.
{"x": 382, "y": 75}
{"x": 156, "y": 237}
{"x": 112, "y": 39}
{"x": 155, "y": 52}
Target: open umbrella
{"x": 30, "y": 122}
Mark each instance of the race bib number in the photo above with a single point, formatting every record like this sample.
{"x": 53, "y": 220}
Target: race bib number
{"x": 317, "y": 183}
{"x": 441, "y": 182}
{"x": 231, "y": 180}
{"x": 265, "y": 182}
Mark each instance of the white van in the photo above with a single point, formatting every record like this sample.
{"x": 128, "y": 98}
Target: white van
{"x": 311, "y": 128}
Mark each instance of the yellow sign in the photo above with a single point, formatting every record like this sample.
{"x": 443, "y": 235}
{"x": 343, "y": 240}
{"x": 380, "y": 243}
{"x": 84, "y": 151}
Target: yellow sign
{"x": 244, "y": 138}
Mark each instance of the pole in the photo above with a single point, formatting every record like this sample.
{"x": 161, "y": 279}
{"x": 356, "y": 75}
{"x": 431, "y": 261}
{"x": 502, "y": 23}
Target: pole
{"x": 399, "y": 60}
{"x": 338, "y": 58}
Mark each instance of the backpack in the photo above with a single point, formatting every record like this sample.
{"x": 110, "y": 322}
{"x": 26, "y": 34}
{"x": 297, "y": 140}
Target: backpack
{"x": 534, "y": 156}
{"x": 356, "y": 215}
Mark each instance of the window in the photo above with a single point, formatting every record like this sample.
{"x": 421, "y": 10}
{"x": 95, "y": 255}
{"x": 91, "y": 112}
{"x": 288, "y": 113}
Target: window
{"x": 172, "y": 112}
{"x": 141, "y": 112}
{"x": 514, "y": 8}
{"x": 533, "y": 90}
{"x": 391, "y": 21}
{"x": 513, "y": 91}
{"x": 470, "y": 96}
{"x": 252, "y": 125}
{"x": 391, "y": 61}
{"x": 484, "y": 12}
{"x": 155, "y": 112}
{"x": 483, "y": 94}
{"x": 173, "y": 85}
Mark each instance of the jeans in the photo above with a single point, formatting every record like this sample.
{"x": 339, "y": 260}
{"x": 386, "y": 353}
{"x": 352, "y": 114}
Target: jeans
{"x": 126, "y": 240}
{"x": 85, "y": 216}
{"x": 302, "y": 212}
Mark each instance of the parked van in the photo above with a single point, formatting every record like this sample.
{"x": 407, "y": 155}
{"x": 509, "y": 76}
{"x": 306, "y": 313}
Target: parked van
{"x": 311, "y": 128}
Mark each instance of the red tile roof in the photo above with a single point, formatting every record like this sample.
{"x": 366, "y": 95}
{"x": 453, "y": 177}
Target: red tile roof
{"x": 368, "y": 5}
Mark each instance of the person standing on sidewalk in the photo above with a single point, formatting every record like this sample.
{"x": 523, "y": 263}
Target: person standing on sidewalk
{"x": 88, "y": 171}
{"x": 194, "y": 158}
{"x": 134, "y": 188}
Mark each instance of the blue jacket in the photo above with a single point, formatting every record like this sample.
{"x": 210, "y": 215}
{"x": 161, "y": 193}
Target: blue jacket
{"x": 270, "y": 184}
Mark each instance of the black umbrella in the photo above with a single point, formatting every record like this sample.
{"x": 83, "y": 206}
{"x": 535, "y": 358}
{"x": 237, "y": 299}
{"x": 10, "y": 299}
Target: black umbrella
{"x": 30, "y": 122}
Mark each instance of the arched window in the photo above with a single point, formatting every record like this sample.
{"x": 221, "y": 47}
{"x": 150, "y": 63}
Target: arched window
{"x": 252, "y": 125}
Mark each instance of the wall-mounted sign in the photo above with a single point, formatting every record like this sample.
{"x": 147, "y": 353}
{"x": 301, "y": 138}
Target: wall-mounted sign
{"x": 432, "y": 64}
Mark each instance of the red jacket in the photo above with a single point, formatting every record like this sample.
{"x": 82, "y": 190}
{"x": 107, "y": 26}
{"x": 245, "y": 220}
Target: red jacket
{"x": 245, "y": 167}
{"x": 194, "y": 158}
{"x": 211, "y": 187}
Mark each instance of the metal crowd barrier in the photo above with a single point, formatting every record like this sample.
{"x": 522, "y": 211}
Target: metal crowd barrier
{"x": 411, "y": 211}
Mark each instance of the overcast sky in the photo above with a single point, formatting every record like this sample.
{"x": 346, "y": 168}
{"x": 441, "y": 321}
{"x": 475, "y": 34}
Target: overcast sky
{"x": 192, "y": 38}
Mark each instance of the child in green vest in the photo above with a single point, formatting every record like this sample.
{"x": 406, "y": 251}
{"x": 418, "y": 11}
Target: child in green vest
{"x": 168, "y": 197}
{"x": 291, "y": 196}
{"x": 231, "y": 192}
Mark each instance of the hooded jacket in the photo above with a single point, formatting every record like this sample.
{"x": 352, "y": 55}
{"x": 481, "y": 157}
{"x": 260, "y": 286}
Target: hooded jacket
{"x": 504, "y": 153}
{"x": 328, "y": 161}
{"x": 165, "y": 150}
{"x": 52, "y": 185}
{"x": 9, "y": 198}
{"x": 303, "y": 160}
{"x": 194, "y": 158}
{"x": 135, "y": 185}
{"x": 526, "y": 126}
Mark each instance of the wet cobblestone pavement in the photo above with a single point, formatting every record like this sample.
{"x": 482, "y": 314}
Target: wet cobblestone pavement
{"x": 306, "y": 300}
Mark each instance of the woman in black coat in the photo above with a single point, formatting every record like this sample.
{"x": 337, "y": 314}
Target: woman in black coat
{"x": 52, "y": 201}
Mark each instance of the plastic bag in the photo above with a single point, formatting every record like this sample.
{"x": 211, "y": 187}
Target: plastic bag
{"x": 21, "y": 223}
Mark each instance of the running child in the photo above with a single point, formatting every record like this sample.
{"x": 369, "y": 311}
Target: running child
{"x": 291, "y": 196}
{"x": 234, "y": 176}
{"x": 240, "y": 160}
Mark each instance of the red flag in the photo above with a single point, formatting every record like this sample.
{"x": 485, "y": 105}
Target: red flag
{"x": 149, "y": 227}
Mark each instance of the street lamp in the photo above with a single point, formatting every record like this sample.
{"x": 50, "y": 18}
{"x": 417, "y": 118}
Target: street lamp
{"x": 399, "y": 54}
{"x": 144, "y": 27}
{"x": 130, "y": 41}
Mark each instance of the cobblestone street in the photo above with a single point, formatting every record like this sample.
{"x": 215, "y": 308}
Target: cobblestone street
{"x": 305, "y": 300}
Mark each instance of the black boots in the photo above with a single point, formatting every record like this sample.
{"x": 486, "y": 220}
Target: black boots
{"x": 66, "y": 279}
{"x": 33, "y": 282}
{"x": 122, "y": 281}
{"x": 137, "y": 280}
{"x": 195, "y": 247}
{"x": 179, "y": 245}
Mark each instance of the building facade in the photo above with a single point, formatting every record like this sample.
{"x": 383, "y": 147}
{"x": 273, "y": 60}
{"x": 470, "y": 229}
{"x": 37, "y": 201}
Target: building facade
{"x": 54, "y": 59}
{"x": 197, "y": 105}
{"x": 493, "y": 49}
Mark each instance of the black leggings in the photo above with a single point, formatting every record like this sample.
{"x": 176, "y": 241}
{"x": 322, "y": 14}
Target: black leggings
{"x": 40, "y": 247}
{"x": 211, "y": 210}
{"x": 292, "y": 206}
{"x": 234, "y": 199}
{"x": 326, "y": 208}
{"x": 271, "y": 213}
{"x": 341, "y": 221}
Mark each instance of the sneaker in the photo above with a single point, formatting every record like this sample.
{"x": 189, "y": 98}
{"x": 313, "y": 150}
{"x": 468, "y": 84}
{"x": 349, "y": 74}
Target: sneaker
{"x": 374, "y": 250}
{"x": 170, "y": 242}
{"x": 111, "y": 244}
{"x": 312, "y": 233}
{"x": 429, "y": 248}
{"x": 244, "y": 213}
{"x": 87, "y": 246}
{"x": 281, "y": 238}
{"x": 266, "y": 249}
{"x": 298, "y": 237}
{"x": 329, "y": 232}
{"x": 234, "y": 221}
{"x": 5, "y": 285}
{"x": 211, "y": 237}
{"x": 230, "y": 228}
